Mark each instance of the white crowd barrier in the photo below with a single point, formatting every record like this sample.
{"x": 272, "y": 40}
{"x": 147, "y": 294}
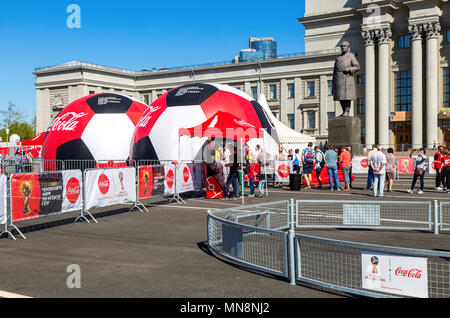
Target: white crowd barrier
{"x": 41, "y": 194}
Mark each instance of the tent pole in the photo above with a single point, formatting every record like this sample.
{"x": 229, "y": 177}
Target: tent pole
{"x": 265, "y": 172}
{"x": 242, "y": 170}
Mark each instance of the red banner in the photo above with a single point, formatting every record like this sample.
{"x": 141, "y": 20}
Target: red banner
{"x": 40, "y": 194}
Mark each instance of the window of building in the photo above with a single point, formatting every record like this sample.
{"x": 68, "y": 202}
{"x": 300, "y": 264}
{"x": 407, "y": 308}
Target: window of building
{"x": 403, "y": 91}
{"x": 291, "y": 121}
{"x": 360, "y": 106}
{"x": 255, "y": 92}
{"x": 404, "y": 41}
{"x": 330, "y": 88}
{"x": 331, "y": 114}
{"x": 291, "y": 90}
{"x": 273, "y": 91}
{"x": 91, "y": 92}
{"x": 147, "y": 99}
{"x": 310, "y": 89}
{"x": 311, "y": 120}
{"x": 446, "y": 87}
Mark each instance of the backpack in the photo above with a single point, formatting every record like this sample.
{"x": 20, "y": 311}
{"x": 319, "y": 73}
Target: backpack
{"x": 296, "y": 162}
{"x": 322, "y": 162}
{"x": 309, "y": 156}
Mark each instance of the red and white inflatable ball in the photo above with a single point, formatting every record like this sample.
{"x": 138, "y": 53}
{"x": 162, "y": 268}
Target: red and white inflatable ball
{"x": 156, "y": 135}
{"x": 95, "y": 127}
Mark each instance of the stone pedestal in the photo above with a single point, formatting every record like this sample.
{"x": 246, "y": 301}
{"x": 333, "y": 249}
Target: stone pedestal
{"x": 343, "y": 131}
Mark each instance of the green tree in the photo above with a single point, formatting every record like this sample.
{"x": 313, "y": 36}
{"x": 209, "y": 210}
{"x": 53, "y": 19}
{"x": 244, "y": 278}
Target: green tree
{"x": 10, "y": 116}
{"x": 24, "y": 130}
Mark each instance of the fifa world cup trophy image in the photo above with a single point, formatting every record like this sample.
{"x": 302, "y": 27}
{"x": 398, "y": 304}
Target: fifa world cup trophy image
{"x": 121, "y": 181}
{"x": 146, "y": 179}
{"x": 405, "y": 166}
{"x": 375, "y": 262}
{"x": 26, "y": 191}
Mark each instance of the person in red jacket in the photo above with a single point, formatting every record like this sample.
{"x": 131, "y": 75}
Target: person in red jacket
{"x": 438, "y": 167}
{"x": 445, "y": 169}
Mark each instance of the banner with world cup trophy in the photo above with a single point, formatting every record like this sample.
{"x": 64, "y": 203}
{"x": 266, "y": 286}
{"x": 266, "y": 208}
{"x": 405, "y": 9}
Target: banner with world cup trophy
{"x": 35, "y": 195}
{"x": 105, "y": 187}
{"x": 151, "y": 181}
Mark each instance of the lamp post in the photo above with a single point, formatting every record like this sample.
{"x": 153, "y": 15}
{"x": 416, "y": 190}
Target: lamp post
{"x": 7, "y": 135}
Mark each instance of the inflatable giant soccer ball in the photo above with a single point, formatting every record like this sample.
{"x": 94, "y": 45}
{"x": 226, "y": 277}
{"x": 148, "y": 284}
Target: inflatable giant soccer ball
{"x": 95, "y": 127}
{"x": 156, "y": 135}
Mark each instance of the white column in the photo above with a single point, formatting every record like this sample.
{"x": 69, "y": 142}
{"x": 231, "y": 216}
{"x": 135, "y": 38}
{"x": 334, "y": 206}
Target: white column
{"x": 369, "y": 88}
{"x": 323, "y": 106}
{"x": 433, "y": 30}
{"x": 416, "y": 73}
{"x": 384, "y": 37}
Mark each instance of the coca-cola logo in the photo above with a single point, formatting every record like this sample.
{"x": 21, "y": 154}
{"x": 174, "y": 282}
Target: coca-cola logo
{"x": 148, "y": 115}
{"x": 364, "y": 163}
{"x": 103, "y": 184}
{"x": 66, "y": 122}
{"x": 411, "y": 273}
{"x": 170, "y": 178}
{"x": 73, "y": 190}
{"x": 186, "y": 174}
{"x": 284, "y": 171}
{"x": 243, "y": 123}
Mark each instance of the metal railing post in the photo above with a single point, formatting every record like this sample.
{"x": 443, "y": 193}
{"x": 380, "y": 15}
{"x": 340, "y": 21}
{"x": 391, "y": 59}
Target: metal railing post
{"x": 436, "y": 218}
{"x": 291, "y": 243}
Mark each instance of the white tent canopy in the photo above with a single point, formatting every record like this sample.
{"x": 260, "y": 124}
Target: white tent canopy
{"x": 289, "y": 138}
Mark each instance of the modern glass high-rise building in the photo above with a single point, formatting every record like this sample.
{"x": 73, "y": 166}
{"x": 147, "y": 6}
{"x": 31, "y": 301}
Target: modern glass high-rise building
{"x": 259, "y": 49}
{"x": 266, "y": 45}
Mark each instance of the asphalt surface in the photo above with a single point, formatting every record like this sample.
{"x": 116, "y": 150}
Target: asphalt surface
{"x": 164, "y": 253}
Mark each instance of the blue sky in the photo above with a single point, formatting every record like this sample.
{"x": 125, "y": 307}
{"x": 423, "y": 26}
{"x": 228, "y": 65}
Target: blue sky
{"x": 134, "y": 34}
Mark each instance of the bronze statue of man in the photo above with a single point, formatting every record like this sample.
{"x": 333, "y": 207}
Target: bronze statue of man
{"x": 344, "y": 88}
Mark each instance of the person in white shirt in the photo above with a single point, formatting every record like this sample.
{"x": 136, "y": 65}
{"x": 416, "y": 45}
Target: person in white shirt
{"x": 378, "y": 163}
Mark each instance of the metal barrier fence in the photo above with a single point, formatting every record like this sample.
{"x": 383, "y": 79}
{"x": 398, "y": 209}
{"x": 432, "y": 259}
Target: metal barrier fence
{"x": 444, "y": 219}
{"x": 246, "y": 235}
{"x": 381, "y": 215}
{"x": 337, "y": 265}
{"x": 256, "y": 236}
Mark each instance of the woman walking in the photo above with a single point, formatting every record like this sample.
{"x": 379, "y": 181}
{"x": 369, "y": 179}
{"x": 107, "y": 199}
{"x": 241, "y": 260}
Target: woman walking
{"x": 420, "y": 166}
{"x": 391, "y": 168}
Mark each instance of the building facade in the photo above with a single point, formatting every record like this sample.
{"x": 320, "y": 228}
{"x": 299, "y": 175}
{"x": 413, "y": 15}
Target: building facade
{"x": 403, "y": 87}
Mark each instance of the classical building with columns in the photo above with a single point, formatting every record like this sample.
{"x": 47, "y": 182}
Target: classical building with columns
{"x": 403, "y": 86}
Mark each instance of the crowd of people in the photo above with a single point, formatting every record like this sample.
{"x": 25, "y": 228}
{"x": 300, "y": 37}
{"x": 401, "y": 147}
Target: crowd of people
{"x": 382, "y": 168}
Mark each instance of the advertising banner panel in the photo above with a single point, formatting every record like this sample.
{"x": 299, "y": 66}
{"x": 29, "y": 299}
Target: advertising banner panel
{"x": 282, "y": 171}
{"x": 3, "y": 198}
{"x": 431, "y": 169}
{"x": 169, "y": 179}
{"x": 105, "y": 187}
{"x": 151, "y": 181}
{"x": 189, "y": 177}
{"x": 405, "y": 165}
{"x": 400, "y": 275}
{"x": 46, "y": 193}
{"x": 360, "y": 165}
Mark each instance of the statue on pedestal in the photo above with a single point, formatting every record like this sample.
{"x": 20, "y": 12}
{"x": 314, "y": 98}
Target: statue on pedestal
{"x": 344, "y": 87}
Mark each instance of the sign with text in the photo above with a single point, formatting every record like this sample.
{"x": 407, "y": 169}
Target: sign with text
{"x": 395, "y": 274}
{"x": 46, "y": 193}
{"x": 105, "y": 187}
{"x": 151, "y": 181}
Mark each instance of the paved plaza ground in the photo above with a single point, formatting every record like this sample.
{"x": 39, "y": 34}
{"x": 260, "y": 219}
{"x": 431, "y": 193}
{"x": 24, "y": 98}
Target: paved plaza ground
{"x": 164, "y": 253}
